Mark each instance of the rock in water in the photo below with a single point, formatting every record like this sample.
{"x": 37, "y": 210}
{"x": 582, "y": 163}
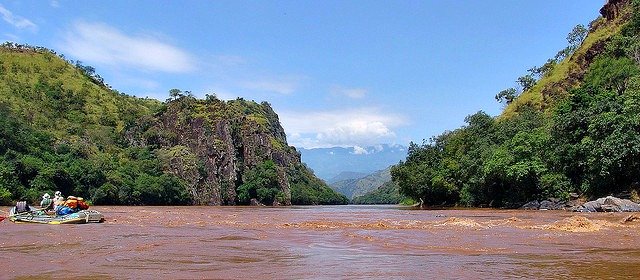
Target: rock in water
{"x": 608, "y": 204}
{"x": 531, "y": 205}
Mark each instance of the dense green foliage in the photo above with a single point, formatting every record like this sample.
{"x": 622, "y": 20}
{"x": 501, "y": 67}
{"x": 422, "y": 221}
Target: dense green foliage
{"x": 385, "y": 194}
{"x": 62, "y": 128}
{"x": 261, "y": 183}
{"x": 587, "y": 142}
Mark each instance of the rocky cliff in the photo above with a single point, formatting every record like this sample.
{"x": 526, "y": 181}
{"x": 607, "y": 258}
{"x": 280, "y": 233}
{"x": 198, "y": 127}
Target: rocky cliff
{"x": 211, "y": 143}
{"x": 612, "y": 8}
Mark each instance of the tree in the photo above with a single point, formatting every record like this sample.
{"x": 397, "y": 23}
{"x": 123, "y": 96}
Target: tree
{"x": 577, "y": 36}
{"x": 261, "y": 183}
{"x": 612, "y": 73}
{"x": 539, "y": 72}
{"x": 507, "y": 96}
{"x": 175, "y": 93}
{"x": 526, "y": 82}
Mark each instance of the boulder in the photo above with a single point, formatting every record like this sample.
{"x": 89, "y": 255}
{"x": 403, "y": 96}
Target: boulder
{"x": 608, "y": 204}
{"x": 551, "y": 204}
{"x": 547, "y": 204}
{"x": 531, "y": 205}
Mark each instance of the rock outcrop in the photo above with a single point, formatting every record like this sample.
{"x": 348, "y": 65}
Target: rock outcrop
{"x": 612, "y": 8}
{"x": 547, "y": 204}
{"x": 605, "y": 204}
{"x": 608, "y": 204}
{"x": 211, "y": 143}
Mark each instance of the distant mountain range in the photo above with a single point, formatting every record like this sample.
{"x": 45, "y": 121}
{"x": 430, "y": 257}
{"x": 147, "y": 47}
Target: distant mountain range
{"x": 336, "y": 164}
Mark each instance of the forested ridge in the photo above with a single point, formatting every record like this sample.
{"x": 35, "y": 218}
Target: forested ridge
{"x": 571, "y": 126}
{"x": 62, "y": 127}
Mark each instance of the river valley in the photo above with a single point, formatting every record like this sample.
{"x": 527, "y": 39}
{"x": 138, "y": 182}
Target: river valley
{"x": 325, "y": 242}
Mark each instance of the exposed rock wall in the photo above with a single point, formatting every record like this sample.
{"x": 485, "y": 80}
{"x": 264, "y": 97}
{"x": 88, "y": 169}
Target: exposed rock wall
{"x": 210, "y": 144}
{"x": 612, "y": 8}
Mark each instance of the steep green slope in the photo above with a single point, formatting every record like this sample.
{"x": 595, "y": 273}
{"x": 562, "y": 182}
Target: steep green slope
{"x": 576, "y": 129}
{"x": 62, "y": 128}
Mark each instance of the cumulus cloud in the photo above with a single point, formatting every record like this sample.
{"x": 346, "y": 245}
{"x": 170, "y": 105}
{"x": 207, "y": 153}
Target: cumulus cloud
{"x": 353, "y": 93}
{"x": 103, "y": 44}
{"x": 357, "y": 150}
{"x": 15, "y": 20}
{"x": 345, "y": 128}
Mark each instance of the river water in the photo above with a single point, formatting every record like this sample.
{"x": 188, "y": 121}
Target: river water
{"x": 325, "y": 242}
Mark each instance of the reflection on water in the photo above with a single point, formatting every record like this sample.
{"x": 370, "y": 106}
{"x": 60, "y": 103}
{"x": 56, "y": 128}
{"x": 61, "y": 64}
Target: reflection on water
{"x": 328, "y": 242}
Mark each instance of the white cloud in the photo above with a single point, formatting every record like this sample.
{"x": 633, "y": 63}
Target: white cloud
{"x": 353, "y": 93}
{"x": 346, "y": 128}
{"x": 54, "y": 3}
{"x": 103, "y": 44}
{"x": 357, "y": 150}
{"x": 17, "y": 21}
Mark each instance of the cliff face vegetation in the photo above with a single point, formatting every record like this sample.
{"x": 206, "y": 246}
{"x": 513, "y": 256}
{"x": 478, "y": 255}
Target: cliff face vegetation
{"x": 572, "y": 127}
{"x": 63, "y": 128}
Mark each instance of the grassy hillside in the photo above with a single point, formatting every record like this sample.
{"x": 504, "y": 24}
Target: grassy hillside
{"x": 568, "y": 72}
{"x": 574, "y": 129}
{"x": 63, "y": 128}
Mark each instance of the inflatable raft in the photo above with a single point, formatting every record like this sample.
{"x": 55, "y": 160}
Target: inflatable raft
{"x": 31, "y": 215}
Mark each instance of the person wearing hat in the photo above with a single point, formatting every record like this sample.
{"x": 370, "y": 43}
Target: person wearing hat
{"x": 58, "y": 200}
{"x": 46, "y": 202}
{"x": 56, "y": 195}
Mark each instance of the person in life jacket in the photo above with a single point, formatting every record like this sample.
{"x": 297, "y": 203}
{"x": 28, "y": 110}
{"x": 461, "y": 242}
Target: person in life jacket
{"x": 58, "y": 203}
{"x": 46, "y": 202}
{"x": 69, "y": 206}
{"x": 58, "y": 200}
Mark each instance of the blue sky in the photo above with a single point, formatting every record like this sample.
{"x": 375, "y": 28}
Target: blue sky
{"x": 338, "y": 73}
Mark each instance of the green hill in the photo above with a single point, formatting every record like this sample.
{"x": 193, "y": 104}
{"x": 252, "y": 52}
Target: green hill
{"x": 388, "y": 193}
{"x": 62, "y": 128}
{"x": 360, "y": 186}
{"x": 574, "y": 128}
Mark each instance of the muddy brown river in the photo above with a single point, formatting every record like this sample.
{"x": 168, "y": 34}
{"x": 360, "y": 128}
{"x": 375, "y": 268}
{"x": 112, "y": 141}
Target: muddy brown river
{"x": 325, "y": 242}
